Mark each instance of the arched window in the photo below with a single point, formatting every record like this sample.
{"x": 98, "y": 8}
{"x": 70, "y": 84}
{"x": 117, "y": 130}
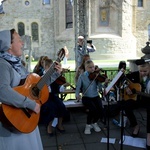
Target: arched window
{"x": 69, "y": 10}
{"x": 140, "y": 3}
{"x": 149, "y": 32}
{"x": 21, "y": 28}
{"x": 35, "y": 32}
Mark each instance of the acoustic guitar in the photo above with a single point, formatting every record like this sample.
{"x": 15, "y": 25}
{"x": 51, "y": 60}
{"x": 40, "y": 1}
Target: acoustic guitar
{"x": 136, "y": 90}
{"x": 135, "y": 87}
{"x": 35, "y": 88}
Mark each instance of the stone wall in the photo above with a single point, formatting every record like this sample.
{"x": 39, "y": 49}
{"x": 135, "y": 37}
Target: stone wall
{"x": 123, "y": 39}
{"x": 142, "y": 22}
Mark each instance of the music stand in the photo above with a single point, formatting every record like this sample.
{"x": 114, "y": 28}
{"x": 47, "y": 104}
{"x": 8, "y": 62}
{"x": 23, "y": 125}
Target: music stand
{"x": 106, "y": 91}
{"x": 122, "y": 114}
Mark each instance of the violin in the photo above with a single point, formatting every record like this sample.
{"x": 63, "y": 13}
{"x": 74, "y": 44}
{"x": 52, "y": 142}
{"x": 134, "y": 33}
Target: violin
{"x": 62, "y": 80}
{"x": 97, "y": 76}
{"x": 64, "y": 70}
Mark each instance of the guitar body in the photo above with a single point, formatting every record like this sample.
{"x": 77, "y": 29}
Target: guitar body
{"x": 26, "y": 120}
{"x": 35, "y": 88}
{"x": 135, "y": 87}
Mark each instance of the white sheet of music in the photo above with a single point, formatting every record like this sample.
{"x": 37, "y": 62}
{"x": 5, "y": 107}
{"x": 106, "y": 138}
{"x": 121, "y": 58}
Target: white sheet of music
{"x": 113, "y": 82}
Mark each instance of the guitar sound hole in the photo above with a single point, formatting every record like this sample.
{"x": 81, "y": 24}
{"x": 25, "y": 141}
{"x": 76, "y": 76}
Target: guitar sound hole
{"x": 35, "y": 91}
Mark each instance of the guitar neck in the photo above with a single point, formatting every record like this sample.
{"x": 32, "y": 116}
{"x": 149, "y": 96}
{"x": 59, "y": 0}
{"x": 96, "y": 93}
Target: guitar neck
{"x": 47, "y": 75}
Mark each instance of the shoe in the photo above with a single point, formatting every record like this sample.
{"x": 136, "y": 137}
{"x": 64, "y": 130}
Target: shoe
{"x": 135, "y": 135}
{"x": 88, "y": 128}
{"x": 51, "y": 134}
{"x": 60, "y": 130}
{"x": 96, "y": 127}
{"x": 115, "y": 122}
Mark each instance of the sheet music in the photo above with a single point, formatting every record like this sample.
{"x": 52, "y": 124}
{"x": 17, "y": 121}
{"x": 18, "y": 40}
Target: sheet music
{"x": 113, "y": 81}
{"x": 136, "y": 142}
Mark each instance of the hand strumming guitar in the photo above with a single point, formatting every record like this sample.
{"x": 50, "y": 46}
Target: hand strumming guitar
{"x": 37, "y": 108}
{"x": 128, "y": 91}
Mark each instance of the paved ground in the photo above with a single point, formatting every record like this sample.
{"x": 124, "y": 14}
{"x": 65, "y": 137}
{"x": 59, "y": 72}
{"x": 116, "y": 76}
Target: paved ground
{"x": 75, "y": 139}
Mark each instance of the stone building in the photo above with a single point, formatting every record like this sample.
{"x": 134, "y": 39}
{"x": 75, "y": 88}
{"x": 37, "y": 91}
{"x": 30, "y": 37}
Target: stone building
{"x": 118, "y": 28}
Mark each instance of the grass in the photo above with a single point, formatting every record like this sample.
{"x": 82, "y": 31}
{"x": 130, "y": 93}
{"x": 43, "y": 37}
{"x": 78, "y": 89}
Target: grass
{"x": 72, "y": 62}
{"x": 70, "y": 76}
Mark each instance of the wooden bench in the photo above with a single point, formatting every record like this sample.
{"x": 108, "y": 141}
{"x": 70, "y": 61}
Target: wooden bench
{"x": 71, "y": 103}
{"x": 65, "y": 93}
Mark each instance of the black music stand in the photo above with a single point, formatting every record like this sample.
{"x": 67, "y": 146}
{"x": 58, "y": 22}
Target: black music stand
{"x": 122, "y": 116}
{"x": 107, "y": 115}
{"x": 121, "y": 89}
{"x": 106, "y": 91}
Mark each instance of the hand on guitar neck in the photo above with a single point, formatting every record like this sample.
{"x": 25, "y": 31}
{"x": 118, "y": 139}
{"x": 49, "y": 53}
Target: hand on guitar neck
{"x": 58, "y": 67}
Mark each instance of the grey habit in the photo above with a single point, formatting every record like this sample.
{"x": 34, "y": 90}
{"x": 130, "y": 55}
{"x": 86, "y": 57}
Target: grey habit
{"x": 9, "y": 78}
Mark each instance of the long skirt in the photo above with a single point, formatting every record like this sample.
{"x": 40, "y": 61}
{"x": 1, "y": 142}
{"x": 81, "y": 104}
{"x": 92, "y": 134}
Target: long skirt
{"x": 19, "y": 141}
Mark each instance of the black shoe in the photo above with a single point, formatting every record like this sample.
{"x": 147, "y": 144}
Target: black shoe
{"x": 61, "y": 131}
{"x": 51, "y": 134}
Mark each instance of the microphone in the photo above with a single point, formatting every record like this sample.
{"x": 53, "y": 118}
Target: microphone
{"x": 141, "y": 61}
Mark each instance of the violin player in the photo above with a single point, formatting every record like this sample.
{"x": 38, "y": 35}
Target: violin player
{"x": 81, "y": 68}
{"x": 90, "y": 97}
{"x": 54, "y": 107}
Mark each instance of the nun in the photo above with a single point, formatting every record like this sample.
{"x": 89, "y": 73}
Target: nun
{"x": 12, "y": 71}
